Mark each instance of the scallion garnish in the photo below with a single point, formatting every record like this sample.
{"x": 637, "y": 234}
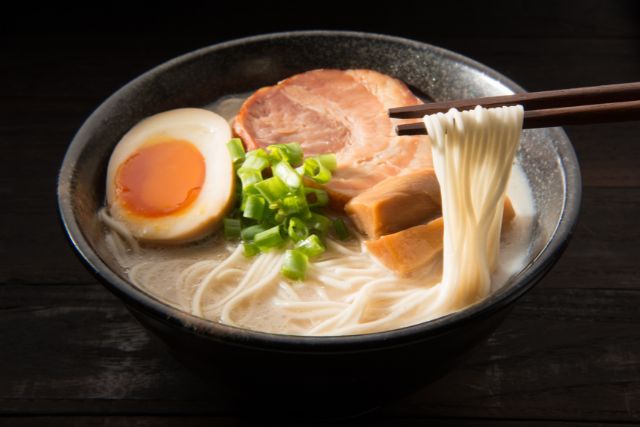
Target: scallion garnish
{"x": 268, "y": 239}
{"x": 314, "y": 169}
{"x": 254, "y": 207}
{"x": 341, "y": 229}
{"x": 236, "y": 149}
{"x": 297, "y": 229}
{"x": 328, "y": 161}
{"x": 311, "y": 246}
{"x": 249, "y": 233}
{"x": 294, "y": 265}
{"x": 256, "y": 159}
{"x": 250, "y": 249}
{"x": 287, "y": 174}
{"x": 249, "y": 177}
{"x": 231, "y": 228}
{"x": 292, "y": 204}
{"x": 319, "y": 224}
{"x": 290, "y": 153}
{"x": 316, "y": 197}
{"x": 272, "y": 189}
{"x": 280, "y": 211}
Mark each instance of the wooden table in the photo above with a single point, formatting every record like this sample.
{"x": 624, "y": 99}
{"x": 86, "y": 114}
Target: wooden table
{"x": 70, "y": 354}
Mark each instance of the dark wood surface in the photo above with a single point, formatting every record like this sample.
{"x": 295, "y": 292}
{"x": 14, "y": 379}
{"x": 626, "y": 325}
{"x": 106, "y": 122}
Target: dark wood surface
{"x": 70, "y": 354}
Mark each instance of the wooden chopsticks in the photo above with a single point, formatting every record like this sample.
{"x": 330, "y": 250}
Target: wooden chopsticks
{"x": 585, "y": 105}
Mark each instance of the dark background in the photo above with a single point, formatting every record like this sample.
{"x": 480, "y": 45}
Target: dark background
{"x": 569, "y": 354}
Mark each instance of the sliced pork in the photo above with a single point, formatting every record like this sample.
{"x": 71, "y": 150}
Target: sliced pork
{"x": 407, "y": 251}
{"x": 396, "y": 203}
{"x": 343, "y": 112}
{"x": 400, "y": 202}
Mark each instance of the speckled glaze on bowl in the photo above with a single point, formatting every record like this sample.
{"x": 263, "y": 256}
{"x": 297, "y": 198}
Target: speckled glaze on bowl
{"x": 348, "y": 374}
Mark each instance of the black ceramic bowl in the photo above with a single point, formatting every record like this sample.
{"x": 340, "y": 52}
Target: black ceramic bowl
{"x": 347, "y": 373}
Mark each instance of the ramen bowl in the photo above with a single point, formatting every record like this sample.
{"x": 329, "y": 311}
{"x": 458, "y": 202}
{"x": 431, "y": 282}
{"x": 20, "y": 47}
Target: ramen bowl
{"x": 346, "y": 374}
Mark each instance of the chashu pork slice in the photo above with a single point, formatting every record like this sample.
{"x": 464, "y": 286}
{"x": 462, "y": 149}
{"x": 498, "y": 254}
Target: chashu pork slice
{"x": 396, "y": 203}
{"x": 411, "y": 249}
{"x": 342, "y": 112}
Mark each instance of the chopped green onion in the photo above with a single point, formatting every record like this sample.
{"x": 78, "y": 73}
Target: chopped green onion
{"x": 287, "y": 174}
{"x": 297, "y": 229}
{"x": 328, "y": 161}
{"x": 291, "y": 153}
{"x": 310, "y": 166}
{"x": 250, "y": 249}
{"x": 305, "y": 213}
{"x": 294, "y": 153}
{"x": 273, "y": 206}
{"x": 316, "y": 197}
{"x": 236, "y": 150}
{"x": 268, "y": 239}
{"x": 311, "y": 246}
{"x": 319, "y": 224}
{"x": 249, "y": 177}
{"x": 341, "y": 229}
{"x": 279, "y": 217}
{"x": 269, "y": 217}
{"x": 293, "y": 204}
{"x": 316, "y": 171}
{"x": 272, "y": 189}
{"x": 276, "y": 153}
{"x": 231, "y": 228}
{"x": 246, "y": 193}
{"x": 294, "y": 265}
{"x": 249, "y": 233}
{"x": 254, "y": 207}
{"x": 256, "y": 159}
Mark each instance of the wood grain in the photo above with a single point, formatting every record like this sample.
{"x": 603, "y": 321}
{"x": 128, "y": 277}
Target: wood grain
{"x": 208, "y": 421}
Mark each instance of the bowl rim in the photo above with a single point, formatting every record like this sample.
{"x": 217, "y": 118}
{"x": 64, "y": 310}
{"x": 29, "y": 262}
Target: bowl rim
{"x": 138, "y": 299}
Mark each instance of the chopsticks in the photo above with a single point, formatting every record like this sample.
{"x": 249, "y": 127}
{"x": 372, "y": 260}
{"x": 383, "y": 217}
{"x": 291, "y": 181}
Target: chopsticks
{"x": 585, "y": 105}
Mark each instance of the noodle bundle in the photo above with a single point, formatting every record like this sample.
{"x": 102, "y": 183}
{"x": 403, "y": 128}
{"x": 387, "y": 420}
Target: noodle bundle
{"x": 473, "y": 152}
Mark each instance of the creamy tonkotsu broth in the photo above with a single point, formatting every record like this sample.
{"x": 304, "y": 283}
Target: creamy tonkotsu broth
{"x": 339, "y": 283}
{"x": 346, "y": 289}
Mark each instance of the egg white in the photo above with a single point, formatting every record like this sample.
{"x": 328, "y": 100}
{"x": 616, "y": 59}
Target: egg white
{"x": 208, "y": 133}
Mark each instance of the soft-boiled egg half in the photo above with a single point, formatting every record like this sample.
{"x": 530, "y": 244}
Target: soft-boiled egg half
{"x": 170, "y": 178}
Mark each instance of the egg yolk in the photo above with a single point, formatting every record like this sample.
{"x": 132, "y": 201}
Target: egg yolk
{"x": 161, "y": 179}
